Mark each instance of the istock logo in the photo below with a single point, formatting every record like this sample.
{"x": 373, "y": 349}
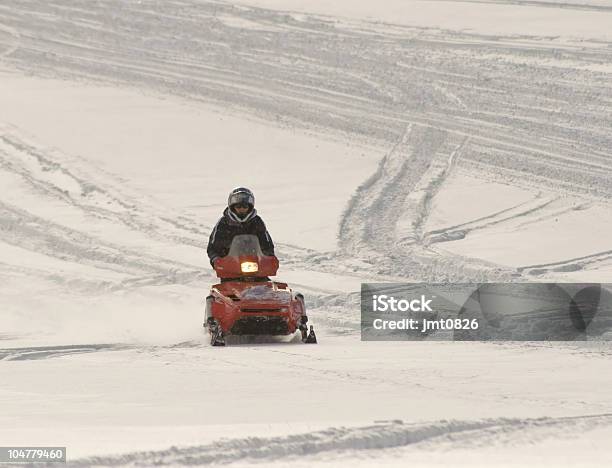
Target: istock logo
{"x": 384, "y": 303}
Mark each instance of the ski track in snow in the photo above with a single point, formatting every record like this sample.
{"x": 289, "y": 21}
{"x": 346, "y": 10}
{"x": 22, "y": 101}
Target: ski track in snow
{"x": 341, "y": 440}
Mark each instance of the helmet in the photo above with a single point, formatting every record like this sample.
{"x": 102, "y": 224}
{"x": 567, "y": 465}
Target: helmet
{"x": 241, "y": 195}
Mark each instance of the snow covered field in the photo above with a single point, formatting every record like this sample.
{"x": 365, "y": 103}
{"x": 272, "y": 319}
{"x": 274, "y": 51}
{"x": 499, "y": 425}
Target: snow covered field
{"x": 410, "y": 141}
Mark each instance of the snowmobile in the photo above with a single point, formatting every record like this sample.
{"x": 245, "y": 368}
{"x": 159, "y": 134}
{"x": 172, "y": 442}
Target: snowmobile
{"x": 248, "y": 302}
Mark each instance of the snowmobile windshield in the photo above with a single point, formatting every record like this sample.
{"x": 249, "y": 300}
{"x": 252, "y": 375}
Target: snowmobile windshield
{"x": 246, "y": 260}
{"x": 245, "y": 244}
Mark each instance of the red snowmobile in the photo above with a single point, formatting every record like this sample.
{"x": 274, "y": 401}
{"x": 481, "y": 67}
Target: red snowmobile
{"x": 248, "y": 302}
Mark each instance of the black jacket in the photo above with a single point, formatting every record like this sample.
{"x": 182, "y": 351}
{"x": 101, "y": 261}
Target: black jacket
{"x": 225, "y": 230}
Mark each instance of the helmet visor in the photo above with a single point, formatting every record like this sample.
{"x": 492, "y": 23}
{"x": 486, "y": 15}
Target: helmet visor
{"x": 241, "y": 198}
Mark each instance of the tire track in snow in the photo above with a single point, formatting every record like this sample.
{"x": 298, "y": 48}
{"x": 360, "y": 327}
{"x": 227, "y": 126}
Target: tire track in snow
{"x": 11, "y": 46}
{"x": 337, "y": 440}
{"x": 52, "y": 175}
{"x": 567, "y": 265}
{"x": 371, "y": 216}
{"x": 419, "y": 201}
{"x": 561, "y": 129}
{"x": 459, "y": 231}
{"x": 20, "y": 228}
{"x": 46, "y": 352}
{"x": 264, "y": 72}
{"x": 369, "y": 226}
{"x": 57, "y": 175}
{"x": 555, "y": 4}
{"x": 78, "y": 184}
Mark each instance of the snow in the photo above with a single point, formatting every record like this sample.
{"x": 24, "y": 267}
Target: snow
{"x": 478, "y": 17}
{"x": 126, "y": 133}
{"x": 476, "y": 217}
{"x": 419, "y": 141}
{"x": 181, "y": 395}
{"x": 462, "y": 200}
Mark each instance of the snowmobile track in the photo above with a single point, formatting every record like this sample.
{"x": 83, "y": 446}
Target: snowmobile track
{"x": 369, "y": 228}
{"x": 335, "y": 441}
{"x": 46, "y": 352}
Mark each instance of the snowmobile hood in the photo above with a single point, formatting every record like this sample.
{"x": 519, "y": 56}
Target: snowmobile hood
{"x": 268, "y": 291}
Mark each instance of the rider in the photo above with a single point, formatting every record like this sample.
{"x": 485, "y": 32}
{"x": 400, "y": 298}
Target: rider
{"x": 240, "y": 217}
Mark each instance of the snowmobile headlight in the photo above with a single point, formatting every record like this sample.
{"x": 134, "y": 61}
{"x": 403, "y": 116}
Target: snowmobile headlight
{"x": 249, "y": 267}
